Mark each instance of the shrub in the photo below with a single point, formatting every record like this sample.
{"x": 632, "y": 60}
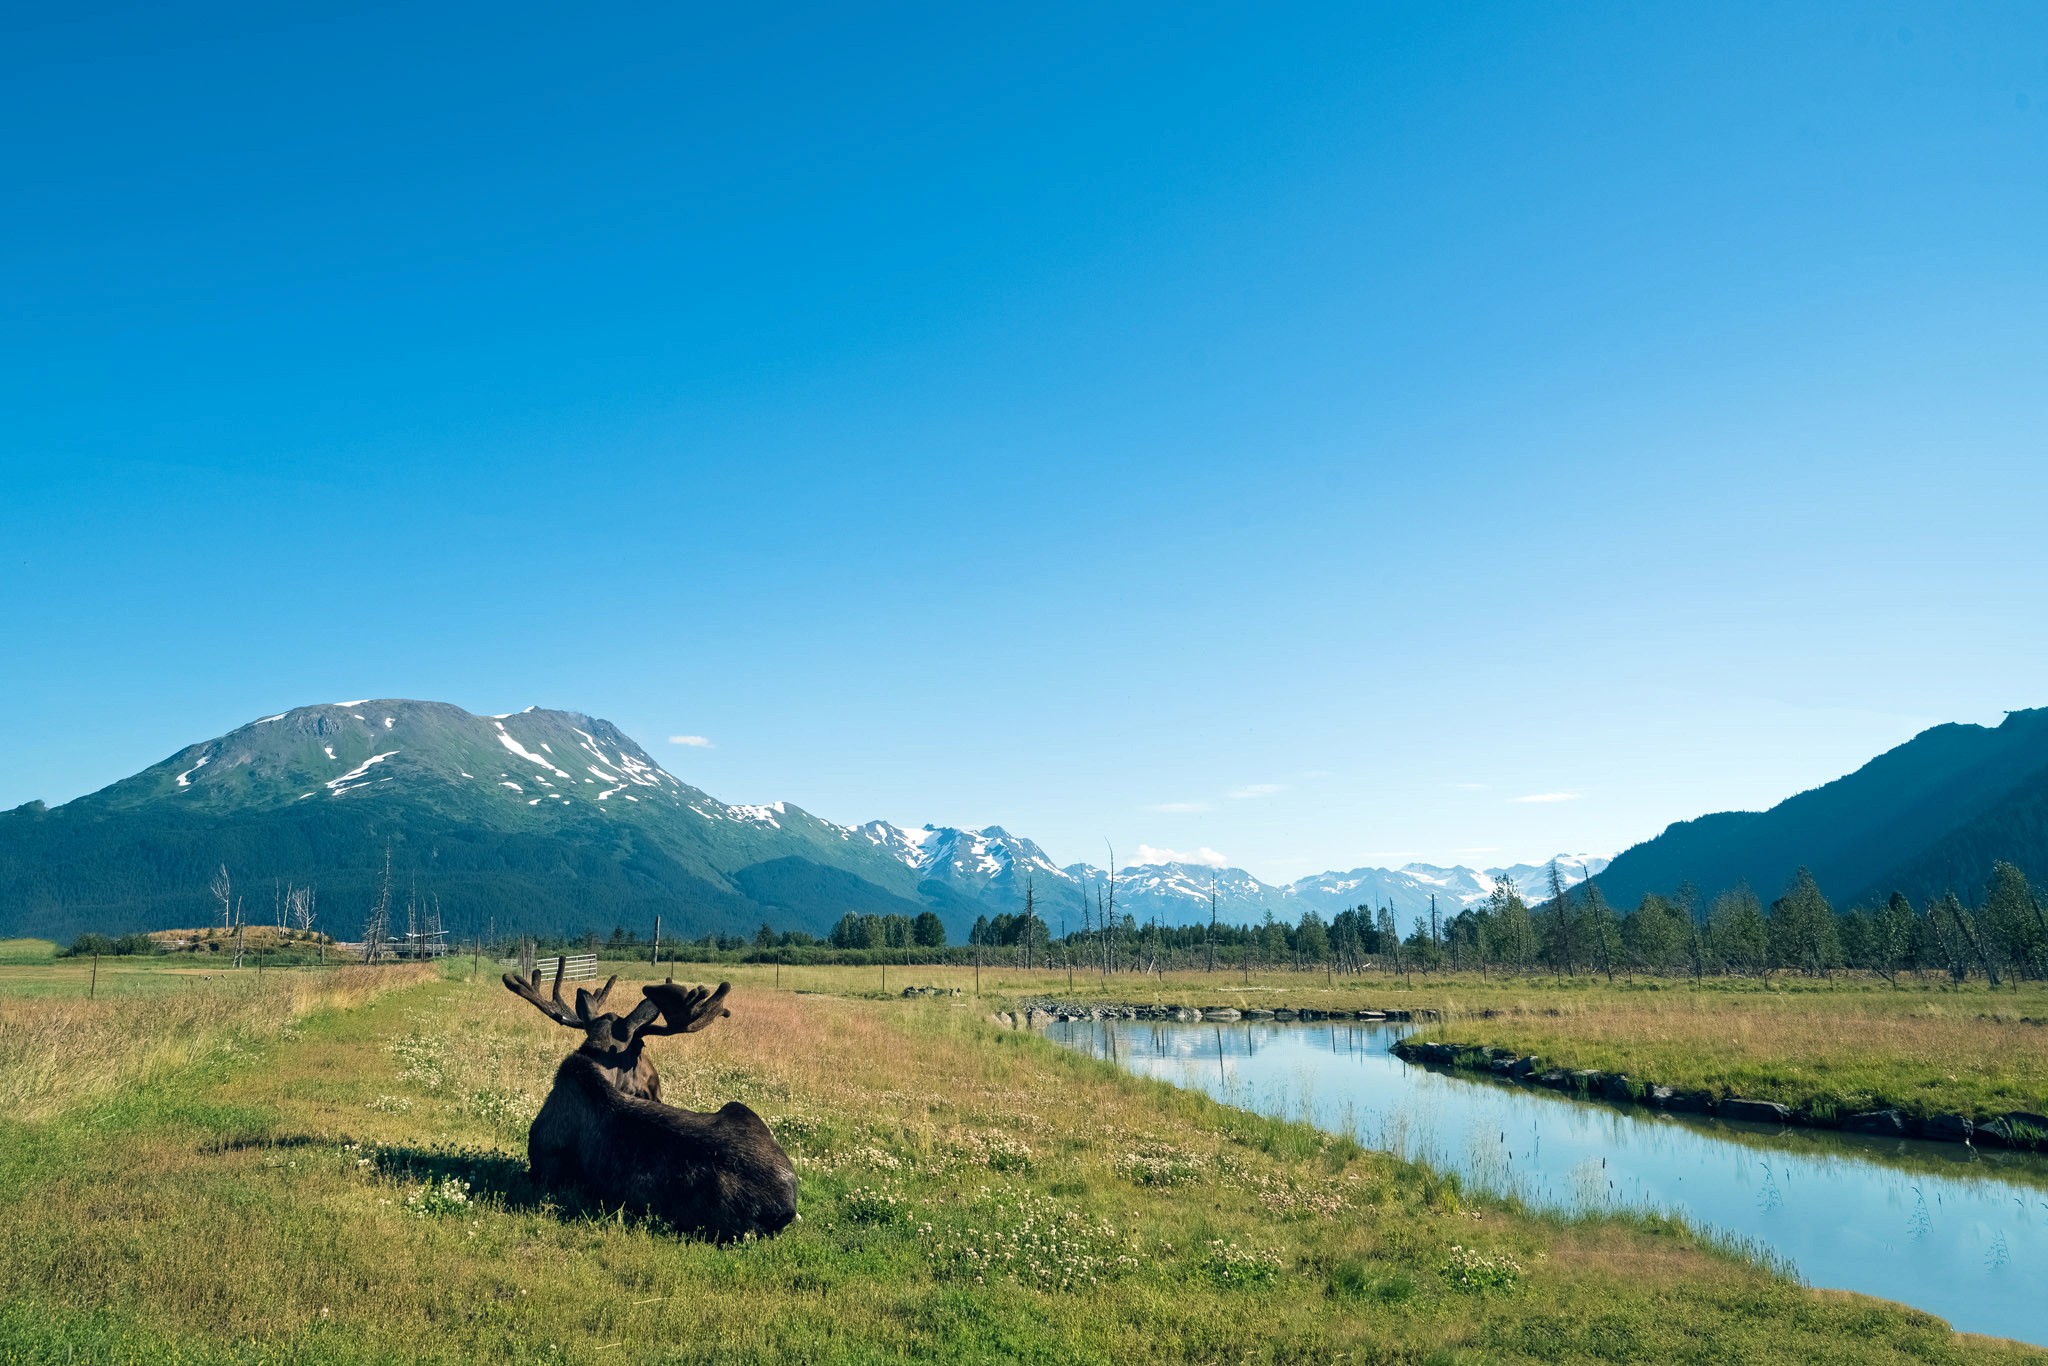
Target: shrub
{"x": 1157, "y": 1165}
{"x": 450, "y": 1195}
{"x": 1476, "y": 1272}
{"x": 872, "y": 1205}
{"x": 1227, "y": 1264}
{"x": 108, "y": 946}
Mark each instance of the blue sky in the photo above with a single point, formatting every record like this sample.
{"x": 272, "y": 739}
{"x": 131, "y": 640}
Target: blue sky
{"x": 1303, "y": 433}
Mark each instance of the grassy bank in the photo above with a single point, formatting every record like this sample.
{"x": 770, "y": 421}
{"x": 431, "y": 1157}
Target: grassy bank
{"x": 354, "y": 1191}
{"x": 1828, "y": 1051}
{"x": 1849, "y": 1043}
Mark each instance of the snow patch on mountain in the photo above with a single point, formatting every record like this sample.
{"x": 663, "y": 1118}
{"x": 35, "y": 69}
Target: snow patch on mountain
{"x": 523, "y": 752}
{"x": 346, "y": 782}
{"x": 760, "y": 815}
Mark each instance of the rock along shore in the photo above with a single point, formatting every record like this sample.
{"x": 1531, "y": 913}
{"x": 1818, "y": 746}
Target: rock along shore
{"x": 2017, "y": 1129}
{"x": 1037, "y": 1014}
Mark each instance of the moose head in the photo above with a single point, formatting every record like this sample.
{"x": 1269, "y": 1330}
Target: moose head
{"x": 614, "y": 1042}
{"x": 605, "y": 1129}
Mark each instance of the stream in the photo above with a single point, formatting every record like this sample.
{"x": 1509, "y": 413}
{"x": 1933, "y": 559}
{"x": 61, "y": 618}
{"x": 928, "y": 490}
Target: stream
{"x": 1946, "y": 1228}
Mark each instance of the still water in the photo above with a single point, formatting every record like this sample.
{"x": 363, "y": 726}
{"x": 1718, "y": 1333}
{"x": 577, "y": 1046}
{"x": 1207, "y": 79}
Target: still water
{"x": 1945, "y": 1228}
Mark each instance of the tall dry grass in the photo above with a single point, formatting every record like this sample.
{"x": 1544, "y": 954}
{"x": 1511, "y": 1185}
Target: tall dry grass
{"x": 55, "y": 1053}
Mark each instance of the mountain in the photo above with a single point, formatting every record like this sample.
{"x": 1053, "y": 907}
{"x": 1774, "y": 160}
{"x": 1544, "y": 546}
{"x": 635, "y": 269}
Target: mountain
{"x": 992, "y": 866}
{"x": 1178, "y": 893}
{"x": 1929, "y": 816}
{"x": 553, "y": 820}
{"x": 542, "y": 820}
{"x": 989, "y": 866}
{"x": 1408, "y": 888}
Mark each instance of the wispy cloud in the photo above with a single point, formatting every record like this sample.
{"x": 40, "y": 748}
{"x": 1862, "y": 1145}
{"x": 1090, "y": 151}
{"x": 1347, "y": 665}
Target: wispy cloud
{"x": 693, "y": 741}
{"x": 1205, "y": 856}
{"x": 1546, "y": 797}
{"x": 1181, "y": 807}
{"x": 1256, "y": 790}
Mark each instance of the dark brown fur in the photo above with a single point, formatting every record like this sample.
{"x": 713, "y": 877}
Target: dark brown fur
{"x": 604, "y": 1130}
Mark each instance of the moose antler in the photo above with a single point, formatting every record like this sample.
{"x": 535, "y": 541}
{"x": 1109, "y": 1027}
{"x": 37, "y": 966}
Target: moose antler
{"x": 604, "y": 1129}
{"x": 589, "y": 1005}
{"x": 684, "y": 1010}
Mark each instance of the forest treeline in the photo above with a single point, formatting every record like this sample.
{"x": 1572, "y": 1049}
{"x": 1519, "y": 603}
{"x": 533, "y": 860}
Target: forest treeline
{"x": 1569, "y": 932}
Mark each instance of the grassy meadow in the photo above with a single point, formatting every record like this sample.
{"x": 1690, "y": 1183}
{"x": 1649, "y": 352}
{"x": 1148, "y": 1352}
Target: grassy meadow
{"x": 1851, "y": 1042}
{"x": 330, "y": 1167}
{"x": 26, "y": 952}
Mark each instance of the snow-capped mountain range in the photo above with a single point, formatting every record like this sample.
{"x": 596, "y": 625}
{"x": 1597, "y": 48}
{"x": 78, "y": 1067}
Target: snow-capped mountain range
{"x": 991, "y": 864}
{"x": 551, "y": 819}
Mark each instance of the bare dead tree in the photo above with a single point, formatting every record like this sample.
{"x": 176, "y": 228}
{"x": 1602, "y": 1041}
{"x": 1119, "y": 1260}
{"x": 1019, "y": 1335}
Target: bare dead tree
{"x": 605, "y": 1130}
{"x": 378, "y": 927}
{"x": 223, "y": 889}
{"x": 300, "y": 911}
{"x": 1087, "y": 922}
{"x": 1030, "y": 915}
{"x": 1209, "y": 939}
{"x": 415, "y": 918}
{"x": 1110, "y": 911}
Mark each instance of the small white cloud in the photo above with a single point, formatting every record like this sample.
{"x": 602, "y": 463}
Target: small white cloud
{"x": 1205, "y": 856}
{"x": 1181, "y": 807}
{"x": 1256, "y": 790}
{"x": 1545, "y": 797}
{"x": 693, "y": 741}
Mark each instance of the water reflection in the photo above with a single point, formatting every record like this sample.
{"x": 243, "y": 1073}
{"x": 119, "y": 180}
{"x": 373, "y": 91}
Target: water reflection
{"x": 1945, "y": 1228}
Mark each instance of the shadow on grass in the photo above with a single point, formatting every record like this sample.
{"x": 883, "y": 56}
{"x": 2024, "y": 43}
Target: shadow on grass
{"x": 491, "y": 1176}
{"x": 500, "y": 1178}
{"x": 503, "y": 1180}
{"x": 243, "y": 1142}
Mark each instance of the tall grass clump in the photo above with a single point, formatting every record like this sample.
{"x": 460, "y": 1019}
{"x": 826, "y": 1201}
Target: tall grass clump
{"x": 56, "y": 1052}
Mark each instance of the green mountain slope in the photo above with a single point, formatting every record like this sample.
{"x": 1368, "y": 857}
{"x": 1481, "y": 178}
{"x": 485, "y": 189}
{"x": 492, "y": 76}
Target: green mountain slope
{"x": 1929, "y": 816}
{"x": 541, "y": 820}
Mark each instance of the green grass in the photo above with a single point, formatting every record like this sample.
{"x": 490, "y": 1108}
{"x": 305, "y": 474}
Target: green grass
{"x": 969, "y": 1194}
{"x": 26, "y": 951}
{"x": 1849, "y": 1043}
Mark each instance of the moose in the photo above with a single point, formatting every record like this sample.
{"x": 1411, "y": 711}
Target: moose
{"x": 605, "y": 1130}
